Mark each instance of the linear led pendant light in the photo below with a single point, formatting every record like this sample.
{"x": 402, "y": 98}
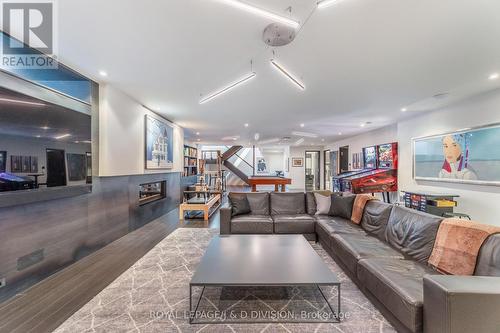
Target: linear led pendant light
{"x": 289, "y": 76}
{"x": 230, "y": 86}
{"x": 326, "y": 3}
{"x": 261, "y": 12}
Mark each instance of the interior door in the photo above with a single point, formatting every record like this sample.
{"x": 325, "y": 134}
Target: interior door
{"x": 312, "y": 169}
{"x": 344, "y": 159}
{"x": 56, "y": 168}
{"x": 327, "y": 169}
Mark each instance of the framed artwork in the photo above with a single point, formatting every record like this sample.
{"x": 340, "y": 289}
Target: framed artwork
{"x": 3, "y": 161}
{"x": 15, "y": 164}
{"x": 297, "y": 162}
{"x": 261, "y": 166}
{"x": 158, "y": 143}
{"x": 34, "y": 164}
{"x": 25, "y": 164}
{"x": 469, "y": 156}
{"x": 77, "y": 167}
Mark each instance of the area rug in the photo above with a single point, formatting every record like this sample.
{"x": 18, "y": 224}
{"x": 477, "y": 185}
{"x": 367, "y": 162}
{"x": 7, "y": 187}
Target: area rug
{"x": 153, "y": 296}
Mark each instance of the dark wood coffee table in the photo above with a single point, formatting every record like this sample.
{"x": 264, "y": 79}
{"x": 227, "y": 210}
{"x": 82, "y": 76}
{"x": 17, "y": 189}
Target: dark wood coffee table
{"x": 261, "y": 260}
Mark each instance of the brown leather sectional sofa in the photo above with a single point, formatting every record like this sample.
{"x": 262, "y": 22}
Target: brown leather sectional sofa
{"x": 386, "y": 256}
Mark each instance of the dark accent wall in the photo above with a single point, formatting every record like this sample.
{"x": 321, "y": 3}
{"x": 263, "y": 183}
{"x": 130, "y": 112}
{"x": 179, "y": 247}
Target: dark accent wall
{"x": 39, "y": 239}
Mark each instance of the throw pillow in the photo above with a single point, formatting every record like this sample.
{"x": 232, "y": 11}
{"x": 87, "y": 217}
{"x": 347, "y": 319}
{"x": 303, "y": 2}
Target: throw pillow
{"x": 342, "y": 206}
{"x": 239, "y": 204}
{"x": 323, "y": 204}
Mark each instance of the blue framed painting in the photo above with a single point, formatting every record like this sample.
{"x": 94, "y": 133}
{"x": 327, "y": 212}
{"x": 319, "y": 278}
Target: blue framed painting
{"x": 159, "y": 143}
{"x": 470, "y": 156}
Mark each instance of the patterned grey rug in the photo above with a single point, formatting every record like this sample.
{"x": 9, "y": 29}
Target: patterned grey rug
{"x": 153, "y": 296}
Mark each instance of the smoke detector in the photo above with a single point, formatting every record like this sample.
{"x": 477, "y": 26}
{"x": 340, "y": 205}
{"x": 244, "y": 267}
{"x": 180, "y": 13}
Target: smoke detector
{"x": 278, "y": 34}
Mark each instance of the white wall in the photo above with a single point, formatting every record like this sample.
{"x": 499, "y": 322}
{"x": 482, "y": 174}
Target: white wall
{"x": 357, "y": 143}
{"x": 297, "y": 174}
{"x": 481, "y": 202}
{"x": 121, "y": 135}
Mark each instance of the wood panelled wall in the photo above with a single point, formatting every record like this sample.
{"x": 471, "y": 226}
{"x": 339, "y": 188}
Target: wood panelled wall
{"x": 71, "y": 228}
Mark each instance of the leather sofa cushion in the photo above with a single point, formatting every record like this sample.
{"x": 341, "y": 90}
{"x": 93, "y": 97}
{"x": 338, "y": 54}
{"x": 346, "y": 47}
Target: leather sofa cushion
{"x": 288, "y": 203}
{"x": 398, "y": 284}
{"x": 259, "y": 203}
{"x": 239, "y": 204}
{"x": 412, "y": 232}
{"x": 252, "y": 224}
{"x": 350, "y": 248}
{"x": 293, "y": 224}
{"x": 310, "y": 203}
{"x": 488, "y": 260}
{"x": 339, "y": 225}
{"x": 342, "y": 206}
{"x": 375, "y": 218}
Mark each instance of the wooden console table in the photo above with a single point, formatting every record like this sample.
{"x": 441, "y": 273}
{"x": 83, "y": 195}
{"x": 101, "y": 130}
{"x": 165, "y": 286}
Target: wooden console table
{"x": 207, "y": 205}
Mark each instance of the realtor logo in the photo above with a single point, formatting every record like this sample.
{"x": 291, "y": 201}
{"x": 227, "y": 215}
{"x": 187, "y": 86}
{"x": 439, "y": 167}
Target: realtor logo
{"x": 31, "y": 43}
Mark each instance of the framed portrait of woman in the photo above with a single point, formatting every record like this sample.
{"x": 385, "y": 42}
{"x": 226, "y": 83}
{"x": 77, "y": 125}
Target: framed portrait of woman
{"x": 469, "y": 156}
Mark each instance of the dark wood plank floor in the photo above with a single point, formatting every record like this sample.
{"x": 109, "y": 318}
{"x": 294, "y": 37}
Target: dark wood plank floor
{"x": 46, "y": 305}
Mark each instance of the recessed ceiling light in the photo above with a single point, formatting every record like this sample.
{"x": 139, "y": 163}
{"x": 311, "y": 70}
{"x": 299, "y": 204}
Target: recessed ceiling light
{"x": 197, "y": 133}
{"x": 494, "y": 76}
{"x": 62, "y": 136}
{"x": 302, "y": 125}
{"x": 234, "y": 139}
{"x": 326, "y": 3}
{"x": 246, "y": 125}
{"x": 404, "y": 109}
{"x": 363, "y": 124}
{"x": 198, "y": 139}
{"x": 38, "y": 136}
{"x": 45, "y": 127}
{"x": 322, "y": 140}
{"x": 340, "y": 133}
{"x": 103, "y": 73}
{"x": 289, "y": 76}
{"x": 227, "y": 88}
{"x": 261, "y": 12}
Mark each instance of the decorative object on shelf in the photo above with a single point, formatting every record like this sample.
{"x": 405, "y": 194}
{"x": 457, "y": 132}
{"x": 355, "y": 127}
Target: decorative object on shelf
{"x": 437, "y": 204}
{"x": 469, "y": 156}
{"x": 159, "y": 143}
{"x": 297, "y": 162}
{"x": 77, "y": 167}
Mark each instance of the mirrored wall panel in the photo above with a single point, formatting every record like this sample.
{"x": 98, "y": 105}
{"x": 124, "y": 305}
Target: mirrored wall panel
{"x": 42, "y": 145}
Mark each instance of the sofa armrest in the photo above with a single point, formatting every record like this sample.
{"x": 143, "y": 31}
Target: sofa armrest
{"x": 225, "y": 220}
{"x": 461, "y": 304}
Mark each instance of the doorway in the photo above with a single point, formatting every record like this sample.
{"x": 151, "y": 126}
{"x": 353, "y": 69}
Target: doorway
{"x": 312, "y": 169}
{"x": 56, "y": 168}
{"x": 344, "y": 159}
{"x": 327, "y": 170}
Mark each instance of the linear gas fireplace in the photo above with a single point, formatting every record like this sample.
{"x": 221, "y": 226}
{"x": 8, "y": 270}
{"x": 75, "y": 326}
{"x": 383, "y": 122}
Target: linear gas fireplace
{"x": 151, "y": 192}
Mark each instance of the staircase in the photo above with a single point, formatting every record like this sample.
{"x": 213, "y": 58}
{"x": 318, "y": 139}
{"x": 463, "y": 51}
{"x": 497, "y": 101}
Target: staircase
{"x": 233, "y": 168}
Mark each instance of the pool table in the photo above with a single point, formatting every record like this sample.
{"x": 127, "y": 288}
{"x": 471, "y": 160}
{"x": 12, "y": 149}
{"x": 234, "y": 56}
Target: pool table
{"x": 253, "y": 181}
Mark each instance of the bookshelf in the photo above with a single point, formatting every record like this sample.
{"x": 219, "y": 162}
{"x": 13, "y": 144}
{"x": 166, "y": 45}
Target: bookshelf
{"x": 190, "y": 161}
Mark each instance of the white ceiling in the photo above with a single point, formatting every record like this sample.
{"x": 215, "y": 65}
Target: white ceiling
{"x": 361, "y": 60}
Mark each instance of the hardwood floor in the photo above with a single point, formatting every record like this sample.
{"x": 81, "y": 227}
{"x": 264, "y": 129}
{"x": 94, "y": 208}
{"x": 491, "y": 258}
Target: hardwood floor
{"x": 46, "y": 305}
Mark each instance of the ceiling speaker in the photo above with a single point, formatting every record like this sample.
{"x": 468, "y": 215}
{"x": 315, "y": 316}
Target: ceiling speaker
{"x": 277, "y": 34}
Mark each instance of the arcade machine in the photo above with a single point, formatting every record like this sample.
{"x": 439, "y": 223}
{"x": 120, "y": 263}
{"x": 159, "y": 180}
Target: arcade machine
{"x": 370, "y": 163}
{"x": 383, "y": 180}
